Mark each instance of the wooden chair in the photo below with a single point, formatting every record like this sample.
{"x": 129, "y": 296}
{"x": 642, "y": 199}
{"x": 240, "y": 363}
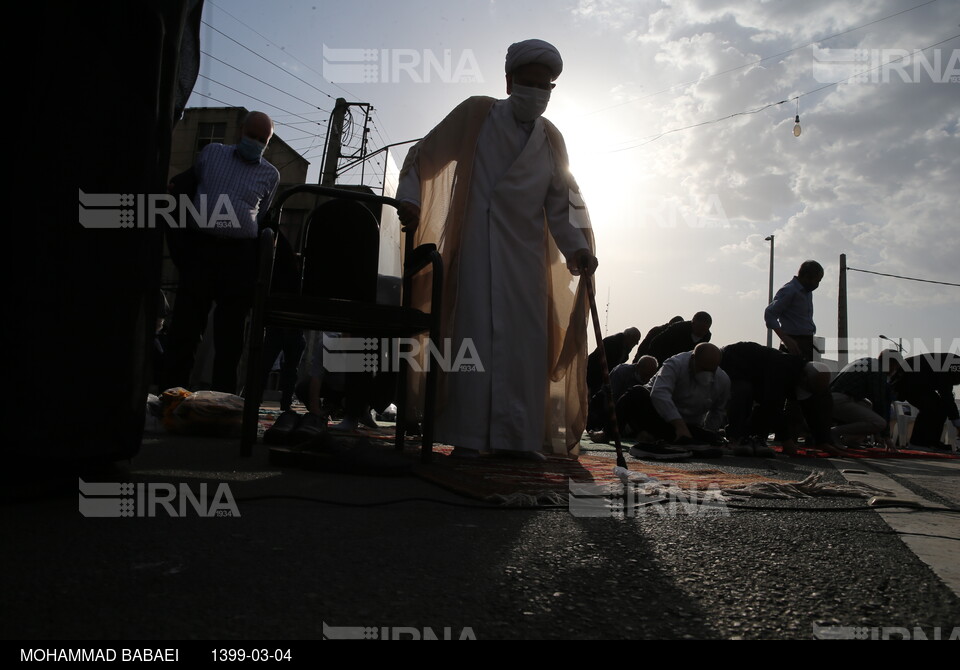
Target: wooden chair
{"x": 338, "y": 293}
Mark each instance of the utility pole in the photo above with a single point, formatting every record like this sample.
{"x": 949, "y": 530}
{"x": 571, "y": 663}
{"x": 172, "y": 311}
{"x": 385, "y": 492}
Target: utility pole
{"x": 842, "y": 353}
{"x": 331, "y": 154}
{"x": 363, "y": 144}
{"x": 333, "y": 149}
{"x": 770, "y": 289}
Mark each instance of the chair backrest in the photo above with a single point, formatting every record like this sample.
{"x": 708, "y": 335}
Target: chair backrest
{"x": 341, "y": 252}
{"x": 286, "y": 275}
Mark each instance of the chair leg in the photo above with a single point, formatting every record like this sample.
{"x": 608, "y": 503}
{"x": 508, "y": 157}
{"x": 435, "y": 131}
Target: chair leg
{"x": 430, "y": 394}
{"x": 402, "y": 395}
{"x": 253, "y": 389}
{"x": 253, "y": 392}
{"x": 426, "y": 451}
{"x": 429, "y": 399}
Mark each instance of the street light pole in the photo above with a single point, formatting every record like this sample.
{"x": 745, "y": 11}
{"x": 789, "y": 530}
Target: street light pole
{"x": 770, "y": 290}
{"x": 898, "y": 345}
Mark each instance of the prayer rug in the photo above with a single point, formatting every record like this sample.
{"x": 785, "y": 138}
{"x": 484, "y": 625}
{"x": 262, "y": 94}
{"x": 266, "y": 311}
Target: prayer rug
{"x": 813, "y": 452}
{"x": 506, "y": 480}
{"x": 496, "y": 478}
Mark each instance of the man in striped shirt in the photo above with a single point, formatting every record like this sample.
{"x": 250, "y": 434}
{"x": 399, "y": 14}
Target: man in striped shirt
{"x": 234, "y": 187}
{"x": 790, "y": 315}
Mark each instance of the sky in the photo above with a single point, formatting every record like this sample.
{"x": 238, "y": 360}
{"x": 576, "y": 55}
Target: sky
{"x": 679, "y": 119}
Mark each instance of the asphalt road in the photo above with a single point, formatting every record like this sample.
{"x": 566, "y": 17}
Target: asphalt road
{"x": 289, "y": 565}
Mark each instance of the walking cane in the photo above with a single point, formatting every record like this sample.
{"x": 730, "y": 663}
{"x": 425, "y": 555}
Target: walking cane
{"x": 611, "y": 408}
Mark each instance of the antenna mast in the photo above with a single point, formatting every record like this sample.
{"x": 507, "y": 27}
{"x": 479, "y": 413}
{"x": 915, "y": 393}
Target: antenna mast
{"x": 606, "y": 317}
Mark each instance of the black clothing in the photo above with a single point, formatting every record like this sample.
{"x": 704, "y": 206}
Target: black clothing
{"x": 927, "y": 384}
{"x": 91, "y": 290}
{"x": 617, "y": 352}
{"x": 676, "y": 339}
{"x": 221, "y": 271}
{"x": 760, "y": 375}
{"x": 805, "y": 343}
{"x": 644, "y": 348}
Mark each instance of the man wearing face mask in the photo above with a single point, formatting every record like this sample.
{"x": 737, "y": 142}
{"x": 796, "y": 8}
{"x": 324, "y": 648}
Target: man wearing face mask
{"x": 232, "y": 186}
{"x": 684, "y": 404}
{"x": 491, "y": 182}
{"x": 790, "y": 315}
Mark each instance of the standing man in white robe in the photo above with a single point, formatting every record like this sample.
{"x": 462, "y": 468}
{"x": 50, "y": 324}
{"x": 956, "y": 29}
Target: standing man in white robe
{"x": 490, "y": 185}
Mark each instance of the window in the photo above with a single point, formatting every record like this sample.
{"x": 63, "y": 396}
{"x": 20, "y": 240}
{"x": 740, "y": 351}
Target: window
{"x": 210, "y": 132}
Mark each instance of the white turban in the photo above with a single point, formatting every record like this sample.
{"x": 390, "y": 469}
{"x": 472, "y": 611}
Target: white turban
{"x": 534, "y": 51}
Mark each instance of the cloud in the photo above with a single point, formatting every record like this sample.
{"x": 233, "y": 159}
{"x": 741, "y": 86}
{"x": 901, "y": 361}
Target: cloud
{"x": 706, "y": 289}
{"x": 873, "y": 174}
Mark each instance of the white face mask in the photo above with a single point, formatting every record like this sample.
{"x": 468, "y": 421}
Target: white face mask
{"x": 704, "y": 378}
{"x": 528, "y": 102}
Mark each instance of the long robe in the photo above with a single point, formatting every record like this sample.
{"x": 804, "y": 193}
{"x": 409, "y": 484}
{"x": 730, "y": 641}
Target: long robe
{"x": 489, "y": 190}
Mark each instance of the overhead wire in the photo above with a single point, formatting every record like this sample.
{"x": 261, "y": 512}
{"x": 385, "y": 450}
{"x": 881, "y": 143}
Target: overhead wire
{"x": 230, "y": 104}
{"x": 653, "y": 138}
{"x": 648, "y": 140}
{"x": 254, "y": 98}
{"x": 300, "y": 123}
{"x": 376, "y": 130}
{"x": 279, "y": 167}
{"x": 264, "y": 82}
{"x": 756, "y": 62}
{"x": 280, "y": 67}
{"x": 884, "y": 274}
{"x": 222, "y": 102}
{"x": 312, "y": 137}
{"x": 386, "y": 134}
{"x": 286, "y": 52}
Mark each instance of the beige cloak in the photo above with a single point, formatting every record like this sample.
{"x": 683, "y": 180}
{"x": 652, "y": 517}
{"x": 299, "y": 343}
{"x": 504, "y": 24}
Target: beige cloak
{"x": 506, "y": 286}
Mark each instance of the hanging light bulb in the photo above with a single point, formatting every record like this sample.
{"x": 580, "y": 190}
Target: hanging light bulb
{"x": 796, "y": 127}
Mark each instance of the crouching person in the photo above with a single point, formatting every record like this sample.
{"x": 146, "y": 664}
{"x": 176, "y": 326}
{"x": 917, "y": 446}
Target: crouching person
{"x": 679, "y": 413}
